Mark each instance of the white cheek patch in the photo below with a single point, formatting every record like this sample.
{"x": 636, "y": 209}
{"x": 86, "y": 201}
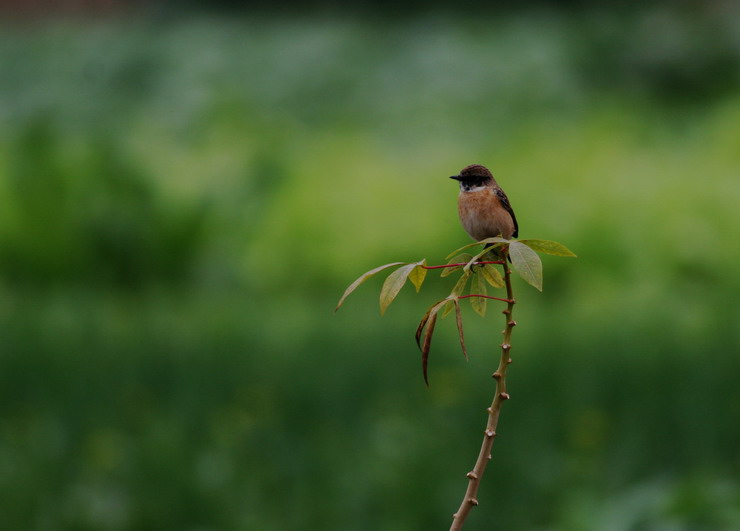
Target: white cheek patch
{"x": 471, "y": 187}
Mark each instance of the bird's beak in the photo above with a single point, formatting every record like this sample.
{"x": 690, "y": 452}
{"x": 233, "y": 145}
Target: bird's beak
{"x": 456, "y": 177}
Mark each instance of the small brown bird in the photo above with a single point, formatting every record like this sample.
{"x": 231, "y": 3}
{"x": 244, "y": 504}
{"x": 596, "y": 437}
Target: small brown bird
{"x": 484, "y": 209}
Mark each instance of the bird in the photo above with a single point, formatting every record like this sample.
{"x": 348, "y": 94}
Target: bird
{"x": 484, "y": 209}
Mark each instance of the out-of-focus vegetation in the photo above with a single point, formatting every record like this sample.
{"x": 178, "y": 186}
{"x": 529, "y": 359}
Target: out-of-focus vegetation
{"x": 182, "y": 203}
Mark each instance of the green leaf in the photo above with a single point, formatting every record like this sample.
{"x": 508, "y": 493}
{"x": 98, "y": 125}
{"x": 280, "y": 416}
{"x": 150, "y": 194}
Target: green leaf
{"x": 460, "y": 258}
{"x": 476, "y": 258}
{"x": 460, "y": 286}
{"x": 494, "y": 240}
{"x": 548, "y": 247}
{"x": 458, "y": 315}
{"x": 393, "y": 285}
{"x": 352, "y": 287}
{"x": 492, "y": 275}
{"x": 527, "y": 263}
{"x": 418, "y": 274}
{"x": 447, "y": 309}
{"x": 479, "y": 303}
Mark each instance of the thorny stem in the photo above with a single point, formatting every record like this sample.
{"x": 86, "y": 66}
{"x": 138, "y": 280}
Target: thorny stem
{"x": 461, "y": 264}
{"x": 474, "y": 476}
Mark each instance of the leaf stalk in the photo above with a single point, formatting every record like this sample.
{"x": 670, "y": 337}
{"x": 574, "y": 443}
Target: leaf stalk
{"x": 461, "y": 264}
{"x": 486, "y": 297}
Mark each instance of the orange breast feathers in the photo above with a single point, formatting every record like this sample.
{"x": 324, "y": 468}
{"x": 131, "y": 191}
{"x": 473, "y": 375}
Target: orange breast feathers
{"x": 483, "y": 216}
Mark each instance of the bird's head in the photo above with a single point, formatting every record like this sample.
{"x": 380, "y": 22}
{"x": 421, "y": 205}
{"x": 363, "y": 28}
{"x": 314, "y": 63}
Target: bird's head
{"x": 475, "y": 175}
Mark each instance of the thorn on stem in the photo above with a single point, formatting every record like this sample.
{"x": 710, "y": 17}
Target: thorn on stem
{"x": 471, "y": 475}
{"x": 505, "y": 396}
{"x": 472, "y": 501}
{"x": 496, "y": 376}
{"x": 509, "y": 361}
{"x": 505, "y": 346}
{"x": 490, "y": 433}
{"x": 512, "y": 323}
{"x": 506, "y": 312}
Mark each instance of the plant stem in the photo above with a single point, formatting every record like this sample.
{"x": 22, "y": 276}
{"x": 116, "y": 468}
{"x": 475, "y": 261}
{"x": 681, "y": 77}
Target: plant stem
{"x": 474, "y": 476}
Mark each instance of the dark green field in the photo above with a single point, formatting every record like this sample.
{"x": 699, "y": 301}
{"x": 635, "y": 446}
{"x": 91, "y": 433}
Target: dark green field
{"x": 182, "y": 203}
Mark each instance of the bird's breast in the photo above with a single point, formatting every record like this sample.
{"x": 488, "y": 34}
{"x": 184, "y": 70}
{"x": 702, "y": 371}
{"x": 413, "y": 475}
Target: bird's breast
{"x": 483, "y": 216}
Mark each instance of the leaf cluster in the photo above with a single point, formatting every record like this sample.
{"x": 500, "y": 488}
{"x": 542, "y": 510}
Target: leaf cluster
{"x": 476, "y": 271}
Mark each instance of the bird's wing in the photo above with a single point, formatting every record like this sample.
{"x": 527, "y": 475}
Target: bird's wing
{"x": 507, "y": 206}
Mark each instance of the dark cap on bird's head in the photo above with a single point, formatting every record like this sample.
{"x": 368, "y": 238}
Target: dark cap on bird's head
{"x": 475, "y": 173}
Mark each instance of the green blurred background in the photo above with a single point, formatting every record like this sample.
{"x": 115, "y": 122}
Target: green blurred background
{"x": 186, "y": 190}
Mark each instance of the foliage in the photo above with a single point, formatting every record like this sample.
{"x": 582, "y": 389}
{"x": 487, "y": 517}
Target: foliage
{"x": 523, "y": 258}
